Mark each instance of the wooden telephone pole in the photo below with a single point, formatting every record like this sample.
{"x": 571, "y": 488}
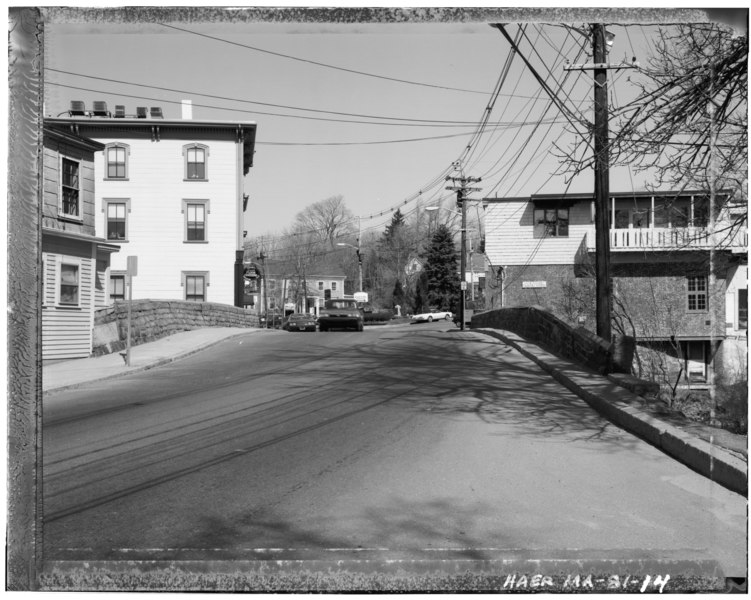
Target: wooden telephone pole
{"x": 602, "y": 184}
{"x": 461, "y": 200}
{"x": 601, "y": 39}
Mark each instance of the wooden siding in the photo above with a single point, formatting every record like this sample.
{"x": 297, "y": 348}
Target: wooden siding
{"x": 66, "y": 331}
{"x": 51, "y": 185}
{"x": 509, "y": 235}
{"x": 156, "y": 190}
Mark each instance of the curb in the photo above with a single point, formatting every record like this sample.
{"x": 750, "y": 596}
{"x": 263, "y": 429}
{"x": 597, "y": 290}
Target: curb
{"x": 717, "y": 464}
{"x": 156, "y": 363}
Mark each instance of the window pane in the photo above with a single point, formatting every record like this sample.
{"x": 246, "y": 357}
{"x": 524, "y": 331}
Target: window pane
{"x": 117, "y": 287}
{"x": 68, "y": 284}
{"x": 70, "y": 173}
{"x": 701, "y": 211}
{"x": 196, "y": 222}
{"x": 679, "y": 212}
{"x": 116, "y": 230}
{"x": 743, "y": 309}
{"x": 70, "y": 202}
{"x": 621, "y": 218}
{"x": 194, "y": 287}
{"x": 69, "y": 274}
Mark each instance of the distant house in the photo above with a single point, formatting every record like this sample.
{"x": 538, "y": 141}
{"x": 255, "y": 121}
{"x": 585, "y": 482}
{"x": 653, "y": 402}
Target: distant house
{"x": 286, "y": 287}
{"x": 169, "y": 192}
{"x": 75, "y": 262}
{"x": 541, "y": 251}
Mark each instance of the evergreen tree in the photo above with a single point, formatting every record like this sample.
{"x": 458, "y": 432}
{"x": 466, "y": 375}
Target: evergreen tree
{"x": 398, "y": 295}
{"x": 393, "y": 228}
{"x": 441, "y": 271}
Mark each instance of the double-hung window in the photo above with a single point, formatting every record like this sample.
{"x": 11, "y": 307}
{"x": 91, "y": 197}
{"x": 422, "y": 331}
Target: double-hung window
{"x": 195, "y": 220}
{"x": 116, "y": 159}
{"x": 70, "y": 188}
{"x": 117, "y": 287}
{"x": 195, "y": 284}
{"x": 551, "y": 222}
{"x": 116, "y": 217}
{"x": 697, "y": 293}
{"x": 69, "y": 291}
{"x": 196, "y": 162}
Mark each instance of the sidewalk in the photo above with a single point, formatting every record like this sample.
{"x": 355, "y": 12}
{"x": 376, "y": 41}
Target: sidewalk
{"x": 72, "y": 373}
{"x": 715, "y": 453}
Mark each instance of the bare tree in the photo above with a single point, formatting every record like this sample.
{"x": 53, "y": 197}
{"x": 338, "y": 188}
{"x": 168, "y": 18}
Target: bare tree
{"x": 688, "y": 124}
{"x": 327, "y": 220}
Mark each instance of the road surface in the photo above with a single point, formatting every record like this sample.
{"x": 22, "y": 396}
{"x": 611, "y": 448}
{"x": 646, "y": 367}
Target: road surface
{"x": 401, "y": 442}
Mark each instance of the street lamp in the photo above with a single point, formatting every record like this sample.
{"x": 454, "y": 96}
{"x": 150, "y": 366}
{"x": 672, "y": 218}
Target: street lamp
{"x": 359, "y": 261}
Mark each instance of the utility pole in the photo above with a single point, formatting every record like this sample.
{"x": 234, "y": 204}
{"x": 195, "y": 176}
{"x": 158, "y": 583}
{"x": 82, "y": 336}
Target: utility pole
{"x": 601, "y": 40}
{"x": 262, "y": 259}
{"x": 359, "y": 257}
{"x": 602, "y": 184}
{"x": 461, "y": 200}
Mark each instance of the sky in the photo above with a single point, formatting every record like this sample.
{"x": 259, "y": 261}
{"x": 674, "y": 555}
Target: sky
{"x": 377, "y": 113}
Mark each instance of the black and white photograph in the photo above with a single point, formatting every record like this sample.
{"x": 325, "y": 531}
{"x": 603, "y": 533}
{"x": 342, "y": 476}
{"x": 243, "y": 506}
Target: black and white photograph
{"x": 377, "y": 300}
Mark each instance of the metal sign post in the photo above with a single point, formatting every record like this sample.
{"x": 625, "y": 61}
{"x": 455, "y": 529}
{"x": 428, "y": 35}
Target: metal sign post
{"x": 132, "y": 270}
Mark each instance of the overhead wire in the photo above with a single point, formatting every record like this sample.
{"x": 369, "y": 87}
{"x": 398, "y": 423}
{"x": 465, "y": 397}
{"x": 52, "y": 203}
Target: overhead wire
{"x": 246, "y": 111}
{"x": 243, "y": 101}
{"x": 530, "y": 137}
{"x": 321, "y": 64}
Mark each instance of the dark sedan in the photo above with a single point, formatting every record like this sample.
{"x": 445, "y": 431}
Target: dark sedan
{"x": 300, "y": 322}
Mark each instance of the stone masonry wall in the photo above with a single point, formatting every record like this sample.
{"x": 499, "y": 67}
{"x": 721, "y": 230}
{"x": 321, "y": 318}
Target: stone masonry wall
{"x": 539, "y": 326}
{"x": 154, "y": 319}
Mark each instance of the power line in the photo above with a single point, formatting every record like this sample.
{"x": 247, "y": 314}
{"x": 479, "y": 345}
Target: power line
{"x": 194, "y": 93}
{"x": 245, "y": 111}
{"x": 320, "y": 64}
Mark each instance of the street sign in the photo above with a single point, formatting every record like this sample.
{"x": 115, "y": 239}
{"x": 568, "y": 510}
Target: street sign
{"x": 132, "y": 266}
{"x": 464, "y": 285}
{"x": 360, "y": 296}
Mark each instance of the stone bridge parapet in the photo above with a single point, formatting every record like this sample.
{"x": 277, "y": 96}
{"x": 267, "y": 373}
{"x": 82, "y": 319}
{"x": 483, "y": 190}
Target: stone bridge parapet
{"x": 541, "y": 327}
{"x": 154, "y": 319}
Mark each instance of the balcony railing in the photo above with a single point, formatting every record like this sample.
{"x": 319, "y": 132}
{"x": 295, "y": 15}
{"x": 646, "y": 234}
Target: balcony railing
{"x": 663, "y": 239}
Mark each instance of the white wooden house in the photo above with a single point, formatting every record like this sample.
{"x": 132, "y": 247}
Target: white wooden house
{"x": 75, "y": 263}
{"x": 171, "y": 193}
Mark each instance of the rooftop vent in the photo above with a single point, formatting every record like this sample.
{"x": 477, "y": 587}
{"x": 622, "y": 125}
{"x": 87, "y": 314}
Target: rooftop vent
{"x": 119, "y": 111}
{"x": 99, "y": 109}
{"x": 141, "y": 112}
{"x": 156, "y": 112}
{"x": 77, "y": 108}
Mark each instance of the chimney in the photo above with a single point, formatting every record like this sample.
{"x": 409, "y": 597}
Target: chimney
{"x": 187, "y": 109}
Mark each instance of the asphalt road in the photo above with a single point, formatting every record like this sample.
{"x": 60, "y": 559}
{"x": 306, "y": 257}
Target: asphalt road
{"x": 404, "y": 442}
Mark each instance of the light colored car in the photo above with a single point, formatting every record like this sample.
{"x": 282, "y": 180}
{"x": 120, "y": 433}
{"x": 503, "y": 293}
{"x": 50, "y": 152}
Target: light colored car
{"x": 433, "y": 315}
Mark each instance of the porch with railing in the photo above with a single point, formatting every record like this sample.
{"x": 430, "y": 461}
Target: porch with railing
{"x": 664, "y": 239}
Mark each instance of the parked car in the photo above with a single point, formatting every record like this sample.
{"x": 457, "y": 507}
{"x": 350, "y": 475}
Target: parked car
{"x": 340, "y": 313}
{"x": 433, "y": 315}
{"x": 300, "y": 322}
{"x": 270, "y": 320}
{"x": 371, "y": 313}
